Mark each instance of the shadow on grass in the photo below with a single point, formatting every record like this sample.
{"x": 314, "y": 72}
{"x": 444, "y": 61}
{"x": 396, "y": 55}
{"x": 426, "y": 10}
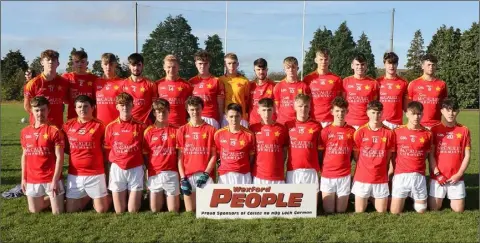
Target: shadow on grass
{"x": 10, "y": 180}
{"x": 17, "y": 144}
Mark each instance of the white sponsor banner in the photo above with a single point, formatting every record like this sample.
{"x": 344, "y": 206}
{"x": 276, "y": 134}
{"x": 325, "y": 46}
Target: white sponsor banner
{"x": 250, "y": 201}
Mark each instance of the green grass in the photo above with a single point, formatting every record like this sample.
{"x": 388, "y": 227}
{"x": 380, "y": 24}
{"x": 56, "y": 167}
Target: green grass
{"x": 17, "y": 225}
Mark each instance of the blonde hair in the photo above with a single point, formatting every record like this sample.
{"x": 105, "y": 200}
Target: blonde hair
{"x": 170, "y": 58}
{"x": 232, "y": 56}
{"x": 289, "y": 61}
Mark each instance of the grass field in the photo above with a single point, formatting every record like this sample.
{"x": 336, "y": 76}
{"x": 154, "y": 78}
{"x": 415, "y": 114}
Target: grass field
{"x": 18, "y": 225}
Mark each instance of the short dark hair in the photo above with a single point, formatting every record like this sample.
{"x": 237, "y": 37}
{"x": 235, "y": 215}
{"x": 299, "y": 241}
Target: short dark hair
{"x": 83, "y": 99}
{"x": 375, "y": 105}
{"x": 340, "y": 102}
{"x": 415, "y": 106}
{"x": 203, "y": 56}
{"x": 194, "y": 101}
{"x": 50, "y": 54}
{"x": 39, "y": 101}
{"x": 450, "y": 104}
{"x": 261, "y": 63}
{"x": 135, "y": 58}
{"x": 161, "y": 104}
{"x": 80, "y": 54}
{"x": 360, "y": 58}
{"x": 390, "y": 57}
{"x": 429, "y": 57}
{"x": 124, "y": 98}
{"x": 266, "y": 102}
{"x": 235, "y": 107}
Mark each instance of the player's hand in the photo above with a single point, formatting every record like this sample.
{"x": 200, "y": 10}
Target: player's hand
{"x": 442, "y": 180}
{"x": 24, "y": 186}
{"x": 454, "y": 179}
{"x": 54, "y": 187}
{"x": 185, "y": 186}
{"x": 202, "y": 180}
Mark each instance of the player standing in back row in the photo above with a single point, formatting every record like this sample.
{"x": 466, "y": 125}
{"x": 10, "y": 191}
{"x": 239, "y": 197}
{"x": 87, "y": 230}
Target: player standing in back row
{"x": 261, "y": 87}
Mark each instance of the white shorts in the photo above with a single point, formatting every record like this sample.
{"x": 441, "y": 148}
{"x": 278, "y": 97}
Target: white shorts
{"x": 452, "y": 191}
{"x": 121, "y": 180}
{"x": 340, "y": 186}
{"x": 257, "y": 180}
{"x": 303, "y": 176}
{"x": 166, "y": 181}
{"x": 409, "y": 185}
{"x": 193, "y": 180}
{"x": 42, "y": 189}
{"x": 242, "y": 122}
{"x": 232, "y": 178}
{"x": 211, "y": 121}
{"x": 325, "y": 124}
{"x": 93, "y": 186}
{"x": 390, "y": 125}
{"x": 366, "y": 190}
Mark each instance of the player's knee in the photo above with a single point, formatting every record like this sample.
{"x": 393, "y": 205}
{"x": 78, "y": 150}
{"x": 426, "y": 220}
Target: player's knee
{"x": 420, "y": 207}
{"x": 34, "y": 209}
{"x": 458, "y": 208}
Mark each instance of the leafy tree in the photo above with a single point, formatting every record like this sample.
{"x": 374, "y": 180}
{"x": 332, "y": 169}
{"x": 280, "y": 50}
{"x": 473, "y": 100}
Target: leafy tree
{"x": 322, "y": 38}
{"x": 214, "y": 46}
{"x": 13, "y": 67}
{"x": 36, "y": 65}
{"x": 414, "y": 57}
{"x": 14, "y": 89}
{"x": 343, "y": 48}
{"x": 70, "y": 61}
{"x": 468, "y": 65}
{"x": 364, "y": 47}
{"x": 276, "y": 76}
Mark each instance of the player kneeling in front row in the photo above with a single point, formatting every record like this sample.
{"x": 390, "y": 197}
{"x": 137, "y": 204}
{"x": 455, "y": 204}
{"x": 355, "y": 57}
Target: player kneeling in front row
{"x": 452, "y": 154}
{"x": 272, "y": 140}
{"x": 197, "y": 153}
{"x": 42, "y": 160}
{"x": 86, "y": 172}
{"x": 160, "y": 154}
{"x": 374, "y": 144}
{"x": 123, "y": 142}
{"x": 236, "y": 147}
{"x": 338, "y": 141}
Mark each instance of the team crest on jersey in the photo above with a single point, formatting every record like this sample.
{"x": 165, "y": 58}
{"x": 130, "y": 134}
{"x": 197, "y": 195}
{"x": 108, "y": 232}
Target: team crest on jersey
{"x": 200, "y": 86}
{"x": 429, "y": 87}
{"x": 413, "y": 138}
{"x": 164, "y": 137}
{"x": 233, "y": 142}
{"x": 322, "y": 81}
{"x": 171, "y": 87}
{"x": 359, "y": 86}
{"x": 389, "y": 86}
{"x": 82, "y": 131}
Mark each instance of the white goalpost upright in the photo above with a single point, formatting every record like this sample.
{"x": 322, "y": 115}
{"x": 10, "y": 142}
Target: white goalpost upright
{"x": 303, "y": 37}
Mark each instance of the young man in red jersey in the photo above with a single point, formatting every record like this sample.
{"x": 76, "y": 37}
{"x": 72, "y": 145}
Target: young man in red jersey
{"x": 325, "y": 86}
{"x": 393, "y": 92}
{"x": 160, "y": 142}
{"x": 413, "y": 144}
{"x": 261, "y": 87}
{"x": 236, "y": 146}
{"x": 123, "y": 144}
{"x": 271, "y": 141}
{"x": 286, "y": 91}
{"x": 197, "y": 152}
{"x": 428, "y": 90}
{"x": 48, "y": 84}
{"x": 337, "y": 139}
{"x": 305, "y": 146}
{"x": 452, "y": 154}
{"x": 175, "y": 90}
{"x": 86, "y": 172}
{"x": 42, "y": 160}
{"x": 374, "y": 145}
{"x": 81, "y": 82}
{"x": 209, "y": 88}
{"x": 359, "y": 89}
{"x": 107, "y": 88}
{"x": 143, "y": 91}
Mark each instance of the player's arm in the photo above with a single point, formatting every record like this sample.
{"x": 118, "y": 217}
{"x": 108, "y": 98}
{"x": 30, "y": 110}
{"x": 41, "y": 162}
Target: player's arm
{"x": 390, "y": 165}
{"x": 24, "y": 172}
{"x": 212, "y": 160}
{"x": 26, "y": 104}
{"x": 181, "y": 169}
{"x": 59, "y": 154}
{"x": 463, "y": 167}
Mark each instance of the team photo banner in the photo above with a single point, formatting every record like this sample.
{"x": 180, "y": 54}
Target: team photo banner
{"x": 250, "y": 201}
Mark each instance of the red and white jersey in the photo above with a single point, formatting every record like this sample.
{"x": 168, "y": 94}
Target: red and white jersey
{"x": 124, "y": 139}
{"x": 176, "y": 93}
{"x": 209, "y": 89}
{"x": 258, "y": 92}
{"x": 413, "y": 146}
{"x": 450, "y": 145}
{"x": 358, "y": 92}
{"x": 106, "y": 94}
{"x": 271, "y": 139}
{"x": 284, "y": 94}
{"x": 430, "y": 94}
{"x": 373, "y": 148}
{"x": 338, "y": 143}
{"x": 392, "y": 94}
{"x": 234, "y": 150}
{"x": 80, "y": 84}
{"x": 39, "y": 144}
{"x": 196, "y": 144}
{"x": 324, "y": 89}
{"x": 304, "y": 143}
{"x": 159, "y": 146}
{"x": 56, "y": 92}
{"x": 85, "y": 142}
{"x": 144, "y": 92}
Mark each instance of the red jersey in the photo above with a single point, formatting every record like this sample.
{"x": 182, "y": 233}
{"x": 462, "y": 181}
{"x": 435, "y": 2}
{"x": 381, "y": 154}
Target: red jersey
{"x": 338, "y": 142}
{"x": 144, "y": 92}
{"x": 258, "y": 92}
{"x": 106, "y": 93}
{"x": 160, "y": 147}
{"x": 56, "y": 92}
{"x": 358, "y": 92}
{"x": 196, "y": 145}
{"x": 80, "y": 84}
{"x": 39, "y": 147}
{"x": 305, "y": 141}
{"x": 450, "y": 145}
{"x": 412, "y": 149}
{"x": 85, "y": 141}
{"x": 324, "y": 89}
{"x": 209, "y": 89}
{"x": 392, "y": 94}
{"x": 270, "y": 141}
{"x": 373, "y": 148}
{"x": 124, "y": 139}
{"x": 176, "y": 92}
{"x": 284, "y": 94}
{"x": 235, "y": 150}
{"x": 430, "y": 94}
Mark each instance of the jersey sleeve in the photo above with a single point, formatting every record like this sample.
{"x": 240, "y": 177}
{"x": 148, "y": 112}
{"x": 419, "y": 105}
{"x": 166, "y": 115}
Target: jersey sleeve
{"x": 145, "y": 144}
{"x": 410, "y": 88}
{"x": 320, "y": 144}
{"x": 324, "y": 135}
{"x": 180, "y": 138}
{"x": 217, "y": 138}
{"x": 108, "y": 136}
{"x": 57, "y": 138}
{"x": 467, "y": 139}
{"x": 22, "y": 139}
{"x": 220, "y": 89}
{"x": 29, "y": 89}
{"x": 357, "y": 140}
{"x": 391, "y": 142}
{"x": 252, "y": 146}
